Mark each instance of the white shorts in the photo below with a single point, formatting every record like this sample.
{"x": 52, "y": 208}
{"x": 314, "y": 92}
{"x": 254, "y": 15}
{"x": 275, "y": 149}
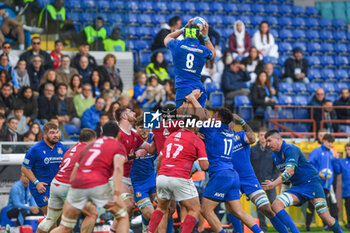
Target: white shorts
{"x": 58, "y": 194}
{"x": 175, "y": 188}
{"x": 125, "y": 180}
{"x": 99, "y": 195}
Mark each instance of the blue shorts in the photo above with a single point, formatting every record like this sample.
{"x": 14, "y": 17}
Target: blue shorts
{"x": 249, "y": 184}
{"x": 310, "y": 190}
{"x": 181, "y": 94}
{"x": 41, "y": 199}
{"x": 144, "y": 189}
{"x": 223, "y": 186}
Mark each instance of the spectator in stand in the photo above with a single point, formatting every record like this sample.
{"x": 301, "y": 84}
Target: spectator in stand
{"x": 155, "y": 93}
{"x": 66, "y": 112}
{"x": 264, "y": 41}
{"x": 210, "y": 73}
{"x": 47, "y": 105}
{"x": 36, "y": 71}
{"x": 7, "y": 98}
{"x": 224, "y": 61}
{"x": 3, "y": 127}
{"x": 140, "y": 89}
{"x": 158, "y": 66}
{"x": 240, "y": 41}
{"x": 95, "y": 34}
{"x": 109, "y": 98}
{"x": 318, "y": 99}
{"x": 11, "y": 28}
{"x": 343, "y": 113}
{"x": 28, "y": 55}
{"x": 48, "y": 77}
{"x": 65, "y": 72}
{"x": 328, "y": 114}
{"x": 124, "y": 100}
{"x": 91, "y": 116}
{"x": 11, "y": 134}
{"x": 274, "y": 79}
{"x": 22, "y": 75}
{"x": 264, "y": 168}
{"x": 83, "y": 51}
{"x": 21, "y": 203}
{"x": 234, "y": 80}
{"x": 114, "y": 43}
{"x": 75, "y": 86}
{"x": 110, "y": 72}
{"x": 253, "y": 64}
{"x": 175, "y": 23}
{"x": 5, "y": 78}
{"x": 6, "y": 49}
{"x": 103, "y": 120}
{"x": 56, "y": 55}
{"x": 84, "y": 69}
{"x": 96, "y": 83}
{"x": 261, "y": 94}
{"x": 21, "y": 119}
{"x": 84, "y": 100}
{"x": 4, "y": 65}
{"x": 28, "y": 100}
{"x": 35, "y": 129}
{"x": 28, "y": 137}
{"x": 296, "y": 67}
{"x": 170, "y": 91}
{"x": 111, "y": 111}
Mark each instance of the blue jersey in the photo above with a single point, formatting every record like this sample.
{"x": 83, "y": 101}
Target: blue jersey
{"x": 143, "y": 168}
{"x": 44, "y": 161}
{"x": 343, "y": 167}
{"x": 218, "y": 144}
{"x": 189, "y": 57}
{"x": 292, "y": 155}
{"x": 241, "y": 157}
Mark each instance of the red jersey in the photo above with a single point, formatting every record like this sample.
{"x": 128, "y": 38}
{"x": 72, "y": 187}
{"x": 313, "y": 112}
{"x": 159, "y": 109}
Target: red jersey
{"x": 56, "y": 59}
{"x": 96, "y": 163}
{"x": 180, "y": 151}
{"x": 161, "y": 134}
{"x": 70, "y": 158}
{"x": 132, "y": 141}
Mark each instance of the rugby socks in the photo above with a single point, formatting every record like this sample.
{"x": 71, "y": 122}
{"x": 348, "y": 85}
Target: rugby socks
{"x": 188, "y": 224}
{"x": 170, "y": 225}
{"x": 144, "y": 221}
{"x": 287, "y": 220}
{"x": 155, "y": 220}
{"x": 336, "y": 228}
{"x": 236, "y": 223}
{"x": 256, "y": 229}
{"x": 112, "y": 230}
{"x": 278, "y": 225}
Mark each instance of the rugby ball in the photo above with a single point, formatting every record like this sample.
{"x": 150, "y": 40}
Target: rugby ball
{"x": 200, "y": 22}
{"x": 326, "y": 173}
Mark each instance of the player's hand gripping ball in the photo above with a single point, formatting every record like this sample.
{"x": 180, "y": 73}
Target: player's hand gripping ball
{"x": 325, "y": 173}
{"x": 200, "y": 22}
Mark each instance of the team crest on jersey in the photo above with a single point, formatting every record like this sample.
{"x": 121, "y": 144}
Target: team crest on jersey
{"x": 45, "y": 198}
{"x": 236, "y": 138}
{"x": 59, "y": 151}
{"x": 138, "y": 194}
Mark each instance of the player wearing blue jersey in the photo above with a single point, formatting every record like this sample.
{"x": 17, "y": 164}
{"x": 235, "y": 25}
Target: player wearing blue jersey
{"x": 249, "y": 184}
{"x": 41, "y": 164}
{"x": 189, "y": 57}
{"x": 143, "y": 178}
{"x": 223, "y": 182}
{"x": 306, "y": 184}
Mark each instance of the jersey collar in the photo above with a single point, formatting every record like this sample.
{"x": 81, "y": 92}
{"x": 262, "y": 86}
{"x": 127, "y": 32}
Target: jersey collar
{"x": 192, "y": 40}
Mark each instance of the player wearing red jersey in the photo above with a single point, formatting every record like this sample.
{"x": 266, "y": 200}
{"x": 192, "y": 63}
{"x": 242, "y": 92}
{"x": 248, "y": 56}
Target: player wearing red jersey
{"x": 99, "y": 161}
{"x": 61, "y": 184}
{"x": 174, "y": 182}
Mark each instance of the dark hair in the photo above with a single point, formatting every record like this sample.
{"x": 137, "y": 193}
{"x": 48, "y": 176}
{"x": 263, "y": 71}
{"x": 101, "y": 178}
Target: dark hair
{"x": 24, "y": 89}
{"x": 53, "y": 118}
{"x": 224, "y": 55}
{"x": 4, "y": 55}
{"x": 18, "y": 107}
{"x": 4, "y": 43}
{"x": 49, "y": 126}
{"x": 234, "y": 62}
{"x": 110, "y": 129}
{"x": 328, "y": 137}
{"x": 225, "y": 115}
{"x": 11, "y": 118}
{"x": 36, "y": 37}
{"x": 174, "y": 20}
{"x": 327, "y": 101}
{"x": 119, "y": 113}
{"x": 26, "y": 134}
{"x": 104, "y": 114}
{"x": 267, "y": 83}
{"x": 190, "y": 118}
{"x": 84, "y": 43}
{"x": 99, "y": 84}
{"x": 7, "y": 76}
{"x": 249, "y": 58}
{"x": 20, "y": 60}
{"x": 61, "y": 84}
{"x": 263, "y": 129}
{"x": 71, "y": 81}
{"x": 6, "y": 85}
{"x": 64, "y": 56}
{"x": 267, "y": 33}
{"x": 58, "y": 41}
{"x": 272, "y": 132}
{"x": 347, "y": 145}
{"x": 87, "y": 135}
{"x": 155, "y": 62}
{"x": 139, "y": 121}
{"x": 2, "y": 116}
{"x": 99, "y": 98}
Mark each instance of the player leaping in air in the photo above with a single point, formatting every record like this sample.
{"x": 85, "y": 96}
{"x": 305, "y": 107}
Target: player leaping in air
{"x": 189, "y": 57}
{"x": 306, "y": 184}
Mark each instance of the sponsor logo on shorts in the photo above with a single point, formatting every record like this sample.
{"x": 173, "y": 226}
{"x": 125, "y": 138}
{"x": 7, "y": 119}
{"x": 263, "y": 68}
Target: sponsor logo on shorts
{"x": 219, "y": 195}
{"x": 138, "y": 194}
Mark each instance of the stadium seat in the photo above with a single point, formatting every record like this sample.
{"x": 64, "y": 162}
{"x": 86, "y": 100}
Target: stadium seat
{"x": 327, "y": 74}
{"x": 326, "y": 35}
{"x": 332, "y": 97}
{"x": 144, "y": 19}
{"x": 329, "y": 87}
{"x": 299, "y": 87}
{"x": 314, "y": 61}
{"x": 273, "y": 21}
{"x": 103, "y": 5}
{"x": 130, "y": 45}
{"x": 272, "y": 60}
{"x": 216, "y": 7}
{"x": 244, "y": 9}
{"x": 228, "y": 20}
{"x": 132, "y": 6}
{"x": 75, "y": 16}
{"x": 244, "y": 107}
{"x": 188, "y": 7}
{"x": 168, "y": 58}
{"x": 271, "y": 9}
{"x": 286, "y": 35}
{"x": 256, "y": 20}
{"x": 314, "y": 74}
{"x": 133, "y": 19}
{"x": 339, "y": 24}
{"x": 342, "y": 74}
{"x": 301, "y": 45}
{"x": 174, "y": 7}
{"x": 73, "y": 5}
{"x": 285, "y": 48}
{"x": 115, "y": 18}
{"x": 202, "y": 7}
{"x": 327, "y": 48}
{"x": 71, "y": 129}
{"x": 258, "y": 9}
{"x": 145, "y": 58}
{"x": 146, "y": 6}
{"x": 285, "y": 22}
{"x": 340, "y": 36}
{"x": 311, "y": 23}
{"x": 311, "y": 11}
{"x": 286, "y": 113}
{"x": 299, "y": 35}
{"x": 341, "y": 61}
{"x": 215, "y": 20}
{"x": 133, "y": 32}
{"x": 282, "y": 60}
{"x": 341, "y": 48}
{"x": 298, "y": 10}
{"x": 298, "y": 23}
{"x": 245, "y": 19}
{"x": 302, "y": 127}
{"x": 313, "y": 86}
{"x": 142, "y": 45}
{"x": 273, "y": 32}
{"x": 285, "y": 10}
{"x": 285, "y": 87}
{"x": 340, "y": 85}
{"x": 300, "y": 100}
{"x": 325, "y": 23}
{"x": 87, "y": 18}
{"x": 159, "y": 19}
{"x": 230, "y": 8}
{"x": 87, "y": 4}
{"x": 314, "y": 48}
{"x": 312, "y": 35}
{"x": 344, "y": 128}
{"x": 160, "y": 7}
{"x": 117, "y": 6}
{"x": 210, "y": 87}
{"x": 327, "y": 61}
{"x": 217, "y": 99}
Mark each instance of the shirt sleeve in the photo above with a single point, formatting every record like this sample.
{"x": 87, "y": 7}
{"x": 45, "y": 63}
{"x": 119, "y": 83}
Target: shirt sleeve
{"x": 292, "y": 157}
{"x": 200, "y": 147}
{"x": 243, "y": 138}
{"x": 208, "y": 53}
{"x": 313, "y": 159}
{"x": 121, "y": 151}
{"x": 18, "y": 202}
{"x": 139, "y": 140}
{"x": 172, "y": 44}
{"x": 29, "y": 159}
